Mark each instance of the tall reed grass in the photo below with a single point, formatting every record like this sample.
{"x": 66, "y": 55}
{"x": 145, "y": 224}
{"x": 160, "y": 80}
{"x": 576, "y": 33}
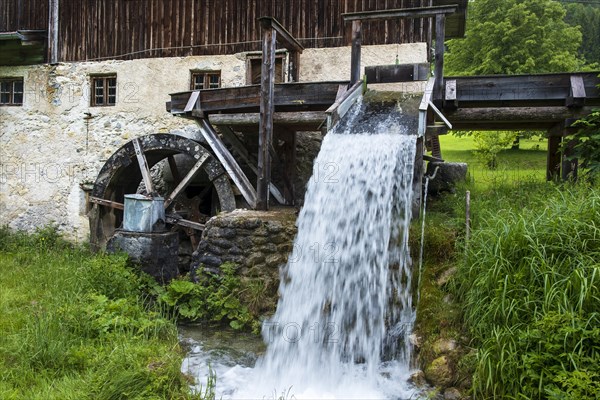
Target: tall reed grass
{"x": 530, "y": 287}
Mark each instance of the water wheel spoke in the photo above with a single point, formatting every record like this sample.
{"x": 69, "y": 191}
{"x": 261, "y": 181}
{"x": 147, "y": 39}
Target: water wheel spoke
{"x": 186, "y": 180}
{"x": 174, "y": 169}
{"x": 143, "y": 163}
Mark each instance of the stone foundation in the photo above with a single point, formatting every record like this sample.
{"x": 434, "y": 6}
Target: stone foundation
{"x": 258, "y": 242}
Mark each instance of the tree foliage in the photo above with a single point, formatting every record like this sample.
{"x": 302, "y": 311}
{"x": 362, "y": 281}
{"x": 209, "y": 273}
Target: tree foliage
{"x": 515, "y": 37}
{"x": 587, "y": 149}
{"x": 587, "y": 17}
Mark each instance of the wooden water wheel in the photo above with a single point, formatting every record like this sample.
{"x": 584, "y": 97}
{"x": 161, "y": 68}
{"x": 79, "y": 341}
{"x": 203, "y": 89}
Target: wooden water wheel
{"x": 198, "y": 188}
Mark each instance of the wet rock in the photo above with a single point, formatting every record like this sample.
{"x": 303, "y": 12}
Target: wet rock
{"x": 447, "y": 176}
{"x": 444, "y": 346}
{"x": 452, "y": 394}
{"x": 418, "y": 378}
{"x": 439, "y": 373}
{"x": 415, "y": 340}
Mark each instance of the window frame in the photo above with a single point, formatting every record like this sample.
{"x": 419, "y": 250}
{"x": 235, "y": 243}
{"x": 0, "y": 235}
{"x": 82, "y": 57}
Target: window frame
{"x": 280, "y": 57}
{"x": 206, "y": 75}
{"x": 12, "y": 80}
{"x": 106, "y": 88}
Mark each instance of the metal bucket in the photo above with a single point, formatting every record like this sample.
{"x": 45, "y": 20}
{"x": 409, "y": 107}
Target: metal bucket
{"x": 143, "y": 214}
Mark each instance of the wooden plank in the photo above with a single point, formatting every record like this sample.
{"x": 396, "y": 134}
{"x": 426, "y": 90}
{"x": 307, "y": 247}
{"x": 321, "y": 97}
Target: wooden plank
{"x": 440, "y": 22}
{"x": 306, "y": 96}
{"x": 192, "y": 101}
{"x": 186, "y": 180}
{"x": 284, "y": 118}
{"x": 355, "y": 55}
{"x": 577, "y": 93}
{"x": 343, "y": 104}
{"x": 141, "y": 158}
{"x": 267, "y": 108}
{"x": 107, "y": 203}
{"x": 172, "y": 219}
{"x": 229, "y": 163}
{"x": 250, "y": 161}
{"x": 416, "y": 12}
{"x": 288, "y": 152}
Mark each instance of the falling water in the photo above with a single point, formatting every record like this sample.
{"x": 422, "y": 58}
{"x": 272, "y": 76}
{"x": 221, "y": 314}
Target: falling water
{"x": 345, "y": 312}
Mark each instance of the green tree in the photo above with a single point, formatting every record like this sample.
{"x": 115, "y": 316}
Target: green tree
{"x": 587, "y": 17}
{"x": 515, "y": 37}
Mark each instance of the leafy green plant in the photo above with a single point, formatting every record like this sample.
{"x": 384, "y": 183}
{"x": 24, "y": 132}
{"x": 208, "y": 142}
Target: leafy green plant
{"x": 587, "y": 143}
{"x": 216, "y": 298}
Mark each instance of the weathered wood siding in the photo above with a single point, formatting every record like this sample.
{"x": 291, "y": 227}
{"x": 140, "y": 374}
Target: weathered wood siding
{"x": 126, "y": 29}
{"x": 23, "y": 15}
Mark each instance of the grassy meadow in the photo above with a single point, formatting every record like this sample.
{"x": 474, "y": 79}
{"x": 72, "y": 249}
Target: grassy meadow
{"x": 78, "y": 326}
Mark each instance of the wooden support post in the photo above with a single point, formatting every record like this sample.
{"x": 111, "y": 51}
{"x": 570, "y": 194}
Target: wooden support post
{"x": 554, "y": 158}
{"x": 355, "y": 57}
{"x": 294, "y": 67}
{"x": 288, "y": 158}
{"x": 440, "y": 26}
{"x": 53, "y": 32}
{"x": 267, "y": 108}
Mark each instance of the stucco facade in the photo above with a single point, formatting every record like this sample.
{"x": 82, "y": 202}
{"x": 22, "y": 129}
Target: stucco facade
{"x": 55, "y": 143}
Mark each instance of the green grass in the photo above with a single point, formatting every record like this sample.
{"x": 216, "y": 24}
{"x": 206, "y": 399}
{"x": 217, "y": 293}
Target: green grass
{"x": 76, "y": 326}
{"x": 527, "y": 163}
{"x": 529, "y": 285}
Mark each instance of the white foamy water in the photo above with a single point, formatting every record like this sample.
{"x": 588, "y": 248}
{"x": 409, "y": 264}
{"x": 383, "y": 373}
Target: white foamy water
{"x": 345, "y": 313}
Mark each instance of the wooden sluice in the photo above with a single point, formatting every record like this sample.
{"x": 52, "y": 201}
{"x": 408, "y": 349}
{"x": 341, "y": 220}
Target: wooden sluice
{"x": 269, "y": 111}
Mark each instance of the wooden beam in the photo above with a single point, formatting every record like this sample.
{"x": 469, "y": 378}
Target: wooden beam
{"x": 499, "y": 115}
{"x": 174, "y": 169}
{"x": 239, "y": 148}
{"x": 440, "y": 23}
{"x": 284, "y": 118}
{"x": 267, "y": 108}
{"x": 288, "y": 153}
{"x": 417, "y": 12}
{"x": 283, "y": 36}
{"x": 143, "y": 163}
{"x": 107, "y": 203}
{"x": 186, "y": 180}
{"x": 294, "y": 66}
{"x": 53, "y": 31}
{"x": 355, "y": 55}
{"x": 229, "y": 164}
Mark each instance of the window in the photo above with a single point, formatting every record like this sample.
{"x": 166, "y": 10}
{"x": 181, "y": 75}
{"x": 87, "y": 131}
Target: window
{"x": 11, "y": 91}
{"x": 206, "y": 80}
{"x": 104, "y": 90}
{"x": 254, "y": 65}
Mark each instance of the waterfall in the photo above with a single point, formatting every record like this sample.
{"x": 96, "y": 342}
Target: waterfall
{"x": 345, "y": 311}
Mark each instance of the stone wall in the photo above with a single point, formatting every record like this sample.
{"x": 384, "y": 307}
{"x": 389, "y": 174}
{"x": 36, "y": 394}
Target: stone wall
{"x": 49, "y": 149}
{"x": 258, "y": 242}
